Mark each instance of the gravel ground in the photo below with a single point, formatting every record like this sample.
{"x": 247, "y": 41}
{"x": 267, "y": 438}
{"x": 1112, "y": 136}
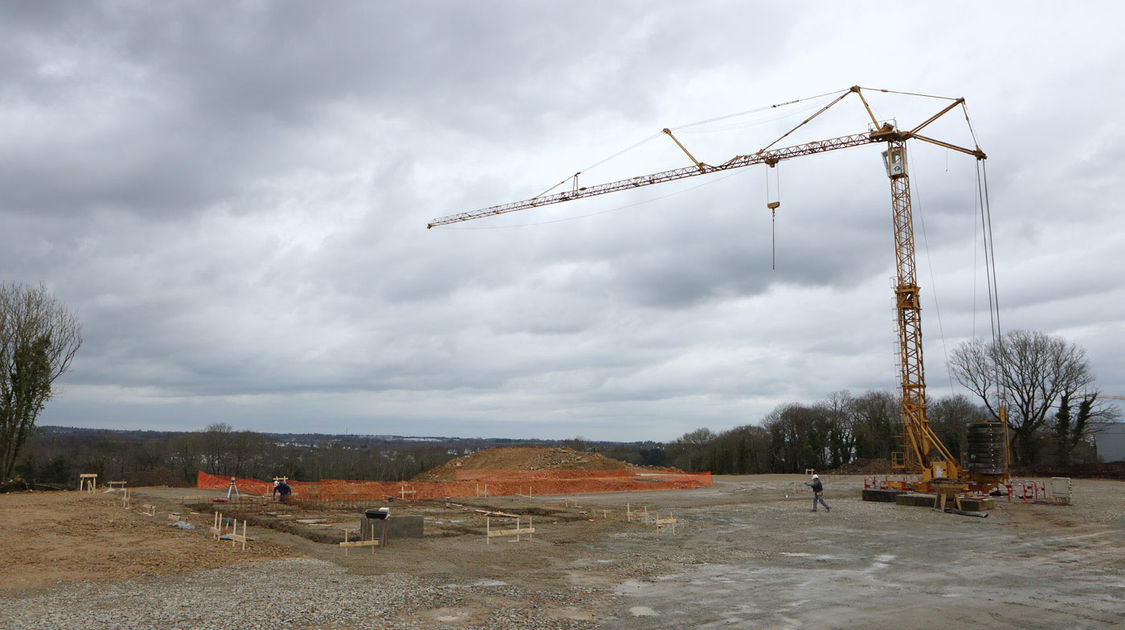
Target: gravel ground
{"x": 747, "y": 553}
{"x": 292, "y": 593}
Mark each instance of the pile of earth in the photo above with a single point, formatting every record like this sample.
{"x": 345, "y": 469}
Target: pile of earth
{"x": 525, "y": 458}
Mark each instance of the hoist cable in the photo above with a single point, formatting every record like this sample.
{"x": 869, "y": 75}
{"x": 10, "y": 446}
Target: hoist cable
{"x": 599, "y": 163}
{"x": 914, "y": 189}
{"x": 944, "y": 98}
{"x": 992, "y": 249}
{"x": 756, "y": 110}
{"x": 990, "y": 276}
{"x": 984, "y": 237}
{"x": 680, "y": 127}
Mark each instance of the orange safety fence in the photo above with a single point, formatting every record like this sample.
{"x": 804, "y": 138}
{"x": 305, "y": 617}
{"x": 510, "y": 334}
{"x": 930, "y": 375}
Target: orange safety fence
{"x": 494, "y": 483}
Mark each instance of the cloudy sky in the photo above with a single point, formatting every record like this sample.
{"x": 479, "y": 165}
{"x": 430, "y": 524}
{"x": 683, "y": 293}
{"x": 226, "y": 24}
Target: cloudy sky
{"x": 233, "y": 197}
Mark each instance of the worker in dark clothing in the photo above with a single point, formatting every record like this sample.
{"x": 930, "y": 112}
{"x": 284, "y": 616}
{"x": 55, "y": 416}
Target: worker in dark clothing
{"x": 282, "y": 490}
{"x": 818, "y": 493}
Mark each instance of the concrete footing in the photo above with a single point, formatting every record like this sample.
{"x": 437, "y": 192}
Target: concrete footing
{"x": 404, "y": 526}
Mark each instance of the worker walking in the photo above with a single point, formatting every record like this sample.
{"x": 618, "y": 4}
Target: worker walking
{"x": 818, "y": 493}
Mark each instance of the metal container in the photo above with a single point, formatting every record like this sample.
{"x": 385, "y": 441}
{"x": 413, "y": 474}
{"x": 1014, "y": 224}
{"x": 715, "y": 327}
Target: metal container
{"x": 381, "y": 513}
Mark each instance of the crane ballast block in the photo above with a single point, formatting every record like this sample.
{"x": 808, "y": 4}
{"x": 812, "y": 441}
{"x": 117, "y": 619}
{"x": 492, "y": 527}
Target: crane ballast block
{"x": 882, "y": 496}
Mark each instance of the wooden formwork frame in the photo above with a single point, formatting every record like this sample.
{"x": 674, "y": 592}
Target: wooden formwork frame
{"x": 661, "y": 523}
{"x": 363, "y": 542}
{"x": 235, "y": 537}
{"x": 229, "y": 527}
{"x": 650, "y": 518}
{"x": 403, "y": 492}
{"x": 148, "y": 509}
{"x": 87, "y": 482}
{"x": 517, "y": 531}
{"x": 642, "y": 515}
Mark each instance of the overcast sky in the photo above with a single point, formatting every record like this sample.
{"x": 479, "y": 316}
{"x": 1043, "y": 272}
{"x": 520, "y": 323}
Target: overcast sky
{"x": 233, "y": 198}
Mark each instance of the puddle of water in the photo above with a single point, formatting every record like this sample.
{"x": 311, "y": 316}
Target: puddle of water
{"x": 814, "y": 556}
{"x": 881, "y": 562}
{"x": 482, "y": 583}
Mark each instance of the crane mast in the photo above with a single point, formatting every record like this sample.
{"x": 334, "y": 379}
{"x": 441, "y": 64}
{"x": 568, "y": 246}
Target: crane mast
{"x": 923, "y": 452}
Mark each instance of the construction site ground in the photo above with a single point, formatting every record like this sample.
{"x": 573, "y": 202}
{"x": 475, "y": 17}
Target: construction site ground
{"x": 747, "y": 552}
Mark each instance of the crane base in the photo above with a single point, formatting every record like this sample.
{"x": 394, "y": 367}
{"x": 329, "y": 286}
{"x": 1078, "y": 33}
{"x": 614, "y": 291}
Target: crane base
{"x": 882, "y": 496}
{"x": 971, "y": 504}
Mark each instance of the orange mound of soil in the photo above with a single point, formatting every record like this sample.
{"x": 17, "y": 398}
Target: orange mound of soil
{"x": 524, "y": 458}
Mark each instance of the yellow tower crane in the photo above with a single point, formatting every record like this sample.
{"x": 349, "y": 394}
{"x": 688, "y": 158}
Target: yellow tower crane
{"x": 923, "y": 453}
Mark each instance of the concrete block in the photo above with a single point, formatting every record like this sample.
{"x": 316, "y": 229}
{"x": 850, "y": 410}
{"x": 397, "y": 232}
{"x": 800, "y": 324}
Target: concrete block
{"x": 968, "y": 504}
{"x": 977, "y": 504}
{"x": 915, "y": 500}
{"x": 402, "y": 526}
{"x": 885, "y": 496}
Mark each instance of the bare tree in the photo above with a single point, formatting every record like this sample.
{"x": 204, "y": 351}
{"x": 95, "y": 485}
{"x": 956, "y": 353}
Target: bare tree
{"x": 689, "y": 451}
{"x": 841, "y": 427}
{"x": 38, "y": 339}
{"x": 876, "y": 418}
{"x": 216, "y": 443}
{"x": 950, "y": 418}
{"x": 1028, "y": 372}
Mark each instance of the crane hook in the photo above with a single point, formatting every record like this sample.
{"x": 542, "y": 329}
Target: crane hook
{"x": 773, "y": 206}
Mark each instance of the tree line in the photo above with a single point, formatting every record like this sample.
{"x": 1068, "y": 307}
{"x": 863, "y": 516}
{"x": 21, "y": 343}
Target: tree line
{"x": 56, "y": 455}
{"x": 829, "y": 434}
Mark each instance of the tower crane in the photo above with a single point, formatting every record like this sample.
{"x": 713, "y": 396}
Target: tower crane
{"x": 923, "y": 453}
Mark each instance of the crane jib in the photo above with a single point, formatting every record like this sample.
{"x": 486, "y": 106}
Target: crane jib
{"x": 771, "y": 157}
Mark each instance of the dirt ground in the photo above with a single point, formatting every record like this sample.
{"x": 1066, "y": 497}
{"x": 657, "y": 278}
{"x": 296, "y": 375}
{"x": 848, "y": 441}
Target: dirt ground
{"x": 747, "y": 552}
